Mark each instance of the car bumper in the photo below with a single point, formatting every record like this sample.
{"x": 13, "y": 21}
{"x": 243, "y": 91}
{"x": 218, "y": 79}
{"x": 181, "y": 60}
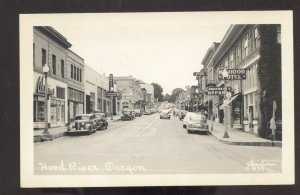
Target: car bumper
{"x": 77, "y": 132}
{"x": 197, "y": 129}
{"x": 164, "y": 116}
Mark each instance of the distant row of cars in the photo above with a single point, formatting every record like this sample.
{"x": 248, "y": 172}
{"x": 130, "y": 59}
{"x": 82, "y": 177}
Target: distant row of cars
{"x": 87, "y": 123}
{"x": 130, "y": 114}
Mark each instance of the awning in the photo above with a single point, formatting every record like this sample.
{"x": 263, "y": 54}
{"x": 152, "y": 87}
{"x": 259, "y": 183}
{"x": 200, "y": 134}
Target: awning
{"x": 229, "y": 101}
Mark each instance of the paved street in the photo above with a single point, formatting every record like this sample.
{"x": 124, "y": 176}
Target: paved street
{"x": 149, "y": 145}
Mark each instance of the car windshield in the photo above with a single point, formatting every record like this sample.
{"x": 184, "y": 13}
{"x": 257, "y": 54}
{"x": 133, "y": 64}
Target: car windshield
{"x": 198, "y": 118}
{"x": 127, "y": 112}
{"x": 83, "y": 117}
{"x": 99, "y": 116}
{"x": 165, "y": 111}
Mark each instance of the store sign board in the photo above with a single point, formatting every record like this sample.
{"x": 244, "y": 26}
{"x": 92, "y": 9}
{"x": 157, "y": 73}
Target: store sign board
{"x": 217, "y": 90}
{"x": 111, "y": 94}
{"x": 232, "y": 74}
{"x": 40, "y": 87}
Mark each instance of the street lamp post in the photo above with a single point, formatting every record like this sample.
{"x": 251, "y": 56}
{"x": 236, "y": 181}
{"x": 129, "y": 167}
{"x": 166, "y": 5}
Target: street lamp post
{"x": 225, "y": 111}
{"x": 46, "y": 71}
{"x": 197, "y": 98}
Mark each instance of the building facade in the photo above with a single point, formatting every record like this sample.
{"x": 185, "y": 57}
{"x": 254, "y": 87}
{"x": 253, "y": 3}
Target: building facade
{"x": 51, "y": 48}
{"x": 76, "y": 84}
{"x": 132, "y": 94}
{"x": 239, "y": 49}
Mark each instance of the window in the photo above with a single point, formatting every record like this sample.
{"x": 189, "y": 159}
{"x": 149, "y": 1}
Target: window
{"x": 256, "y": 38}
{"x": 255, "y": 33}
{"x": 226, "y": 63}
{"x": 44, "y": 53}
{"x": 80, "y": 75}
{"x": 53, "y": 64}
{"x": 60, "y": 92}
{"x": 231, "y": 60}
{"x": 62, "y": 68}
{"x": 33, "y": 54}
{"x": 246, "y": 45}
{"x": 77, "y": 74}
{"x": 71, "y": 71}
{"x": 74, "y": 77}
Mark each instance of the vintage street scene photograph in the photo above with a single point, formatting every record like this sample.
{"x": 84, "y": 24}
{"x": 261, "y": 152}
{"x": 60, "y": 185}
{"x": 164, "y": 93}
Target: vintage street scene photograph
{"x": 147, "y": 94}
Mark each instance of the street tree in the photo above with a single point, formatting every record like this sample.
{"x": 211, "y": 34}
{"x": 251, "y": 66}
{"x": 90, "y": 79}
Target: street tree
{"x": 158, "y": 90}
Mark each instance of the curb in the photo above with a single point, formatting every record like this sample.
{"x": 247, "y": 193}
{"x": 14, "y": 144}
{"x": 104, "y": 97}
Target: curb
{"x": 49, "y": 137}
{"x": 268, "y": 144}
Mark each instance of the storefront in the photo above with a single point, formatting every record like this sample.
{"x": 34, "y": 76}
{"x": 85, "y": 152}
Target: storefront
{"x": 56, "y": 102}
{"x": 75, "y": 103}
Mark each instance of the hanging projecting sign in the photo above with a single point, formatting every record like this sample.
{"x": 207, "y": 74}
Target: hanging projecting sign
{"x": 111, "y": 82}
{"x": 217, "y": 90}
{"x": 40, "y": 87}
{"x": 111, "y": 94}
{"x": 231, "y": 74}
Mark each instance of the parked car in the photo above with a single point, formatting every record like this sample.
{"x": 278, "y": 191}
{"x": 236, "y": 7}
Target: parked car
{"x": 138, "y": 112}
{"x": 182, "y": 114}
{"x": 127, "y": 115}
{"x": 147, "y": 112}
{"x": 101, "y": 120}
{"x": 197, "y": 122}
{"x": 84, "y": 123}
{"x": 165, "y": 114}
{"x": 185, "y": 119}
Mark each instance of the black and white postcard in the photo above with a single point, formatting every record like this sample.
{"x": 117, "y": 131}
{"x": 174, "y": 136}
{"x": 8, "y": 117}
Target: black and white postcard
{"x": 157, "y": 99}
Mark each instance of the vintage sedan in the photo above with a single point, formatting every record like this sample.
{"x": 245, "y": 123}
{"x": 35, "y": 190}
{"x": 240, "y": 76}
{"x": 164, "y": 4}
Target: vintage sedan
{"x": 127, "y": 115}
{"x": 84, "y": 123}
{"x": 186, "y": 118}
{"x": 197, "y": 123}
{"x": 165, "y": 114}
{"x": 137, "y": 112}
{"x": 101, "y": 120}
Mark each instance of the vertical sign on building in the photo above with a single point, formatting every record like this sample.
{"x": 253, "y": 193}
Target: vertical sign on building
{"x": 111, "y": 82}
{"x": 111, "y": 88}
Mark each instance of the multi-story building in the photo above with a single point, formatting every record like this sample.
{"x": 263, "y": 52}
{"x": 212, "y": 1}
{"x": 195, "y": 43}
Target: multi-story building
{"x": 132, "y": 94}
{"x": 239, "y": 49}
{"x": 51, "y": 48}
{"x": 149, "y": 96}
{"x": 76, "y": 83}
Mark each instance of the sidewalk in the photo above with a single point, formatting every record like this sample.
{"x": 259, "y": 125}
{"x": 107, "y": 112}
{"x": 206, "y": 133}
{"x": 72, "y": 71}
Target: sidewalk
{"x": 239, "y": 137}
{"x": 60, "y": 131}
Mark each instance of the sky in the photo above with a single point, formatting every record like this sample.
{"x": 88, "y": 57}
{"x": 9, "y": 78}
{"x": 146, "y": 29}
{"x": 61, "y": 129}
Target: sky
{"x": 157, "y": 47}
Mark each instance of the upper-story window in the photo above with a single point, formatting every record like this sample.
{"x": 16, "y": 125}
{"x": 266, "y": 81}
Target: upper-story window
{"x": 44, "y": 59}
{"x": 72, "y": 71}
{"x": 76, "y": 73}
{"x": 74, "y": 76}
{"x": 231, "y": 60}
{"x": 62, "y": 68}
{"x": 256, "y": 38}
{"x": 80, "y": 75}
{"x": 226, "y": 63}
{"x": 246, "y": 46}
{"x": 53, "y": 64}
{"x": 237, "y": 53}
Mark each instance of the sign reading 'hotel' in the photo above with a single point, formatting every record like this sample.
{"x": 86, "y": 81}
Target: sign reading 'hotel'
{"x": 232, "y": 74}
